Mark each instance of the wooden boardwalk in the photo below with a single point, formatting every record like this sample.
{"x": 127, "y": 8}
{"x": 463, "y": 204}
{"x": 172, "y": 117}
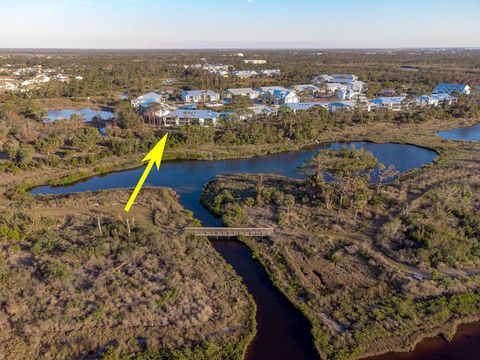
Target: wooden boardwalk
{"x": 229, "y": 232}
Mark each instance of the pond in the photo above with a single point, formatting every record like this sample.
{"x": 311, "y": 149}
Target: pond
{"x": 282, "y": 331}
{"x": 86, "y": 113}
{"x": 470, "y": 133}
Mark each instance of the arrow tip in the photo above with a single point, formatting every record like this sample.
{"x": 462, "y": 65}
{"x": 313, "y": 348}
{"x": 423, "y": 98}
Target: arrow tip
{"x": 156, "y": 153}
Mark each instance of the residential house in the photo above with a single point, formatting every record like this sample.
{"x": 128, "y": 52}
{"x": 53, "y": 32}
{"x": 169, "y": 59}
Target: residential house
{"x": 61, "y": 77}
{"x": 333, "y": 88}
{"x": 270, "y": 72}
{"x": 244, "y": 74}
{"x": 200, "y": 96}
{"x": 307, "y": 89}
{"x": 342, "y": 105}
{"x": 263, "y": 110}
{"x": 169, "y": 81}
{"x": 348, "y": 80}
{"x": 446, "y": 88}
{"x": 320, "y": 79}
{"x": 278, "y": 95}
{"x": 8, "y": 86}
{"x": 394, "y": 103}
{"x": 349, "y": 105}
{"x": 435, "y": 100}
{"x": 144, "y": 101}
{"x": 248, "y": 92}
{"x": 163, "y": 110}
{"x": 305, "y": 106}
{"x": 270, "y": 89}
{"x": 344, "y": 78}
{"x": 255, "y": 62}
{"x": 191, "y": 117}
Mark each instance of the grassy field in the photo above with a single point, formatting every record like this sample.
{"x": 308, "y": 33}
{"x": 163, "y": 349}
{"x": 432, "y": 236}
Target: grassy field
{"x": 79, "y": 277}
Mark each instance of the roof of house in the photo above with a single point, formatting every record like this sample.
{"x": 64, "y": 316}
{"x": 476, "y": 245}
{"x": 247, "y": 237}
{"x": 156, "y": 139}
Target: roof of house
{"x": 305, "y": 87}
{"x": 385, "y": 100}
{"x": 336, "y": 86}
{"x": 263, "y": 109}
{"x": 281, "y": 94}
{"x": 443, "y": 97}
{"x": 447, "y": 87}
{"x": 148, "y": 98}
{"x": 343, "y": 104}
{"x": 199, "y": 93}
{"x": 193, "y": 114}
{"x": 323, "y": 77}
{"x": 271, "y": 89}
{"x": 240, "y": 91}
{"x": 304, "y": 105}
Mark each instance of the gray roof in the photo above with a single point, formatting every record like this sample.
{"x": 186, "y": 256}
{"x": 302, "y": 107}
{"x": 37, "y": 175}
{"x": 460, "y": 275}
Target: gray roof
{"x": 199, "y": 92}
{"x": 239, "y": 91}
{"x": 193, "y": 114}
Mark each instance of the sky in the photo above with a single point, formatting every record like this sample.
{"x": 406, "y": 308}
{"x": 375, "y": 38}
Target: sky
{"x": 157, "y": 24}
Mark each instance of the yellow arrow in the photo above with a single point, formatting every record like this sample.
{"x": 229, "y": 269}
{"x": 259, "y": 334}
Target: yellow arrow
{"x": 153, "y": 157}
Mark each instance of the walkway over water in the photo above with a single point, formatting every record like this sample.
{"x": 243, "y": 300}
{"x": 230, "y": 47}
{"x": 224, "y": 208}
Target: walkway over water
{"x": 229, "y": 232}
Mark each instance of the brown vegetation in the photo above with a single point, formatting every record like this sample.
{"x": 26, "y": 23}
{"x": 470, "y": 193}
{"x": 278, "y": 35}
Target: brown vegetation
{"x": 76, "y": 278}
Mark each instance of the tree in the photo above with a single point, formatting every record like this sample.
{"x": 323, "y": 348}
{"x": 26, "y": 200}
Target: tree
{"x": 85, "y": 139}
{"x": 48, "y": 144}
{"x": 289, "y": 202}
{"x": 25, "y": 154}
{"x": 127, "y": 118}
{"x": 349, "y": 170}
{"x": 385, "y": 173}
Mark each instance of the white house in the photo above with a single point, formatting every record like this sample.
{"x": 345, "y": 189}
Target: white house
{"x": 244, "y": 74}
{"x": 263, "y": 110}
{"x": 356, "y": 86}
{"x": 191, "y": 117}
{"x": 446, "y": 88}
{"x": 145, "y": 100}
{"x": 200, "y": 95}
{"x": 435, "y": 100}
{"x": 342, "y": 105}
{"x": 270, "y": 72}
{"x": 8, "y": 86}
{"x": 394, "y": 103}
{"x": 335, "y": 78}
{"x": 163, "y": 110}
{"x": 332, "y": 88}
{"x": 252, "y": 94}
{"x": 61, "y": 77}
{"x": 270, "y": 89}
{"x": 289, "y": 97}
{"x": 256, "y": 62}
{"x": 306, "y": 88}
{"x": 305, "y": 106}
{"x": 278, "y": 95}
{"x": 344, "y": 78}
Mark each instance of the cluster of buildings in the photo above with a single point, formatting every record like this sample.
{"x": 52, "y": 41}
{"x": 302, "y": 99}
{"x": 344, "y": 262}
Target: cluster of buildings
{"x": 25, "y": 78}
{"x": 331, "y": 92}
{"x": 227, "y": 70}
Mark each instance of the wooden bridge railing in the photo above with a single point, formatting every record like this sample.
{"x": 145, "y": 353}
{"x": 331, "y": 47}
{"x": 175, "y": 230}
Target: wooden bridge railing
{"x": 229, "y": 232}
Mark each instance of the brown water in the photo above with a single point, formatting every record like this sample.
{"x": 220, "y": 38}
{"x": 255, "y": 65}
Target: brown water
{"x": 464, "y": 346}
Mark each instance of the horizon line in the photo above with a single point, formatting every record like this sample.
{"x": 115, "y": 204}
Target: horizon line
{"x": 247, "y": 48}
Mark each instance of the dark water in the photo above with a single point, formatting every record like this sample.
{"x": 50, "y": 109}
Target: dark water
{"x": 86, "y": 113}
{"x": 471, "y": 133}
{"x": 464, "y": 346}
{"x": 282, "y": 331}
